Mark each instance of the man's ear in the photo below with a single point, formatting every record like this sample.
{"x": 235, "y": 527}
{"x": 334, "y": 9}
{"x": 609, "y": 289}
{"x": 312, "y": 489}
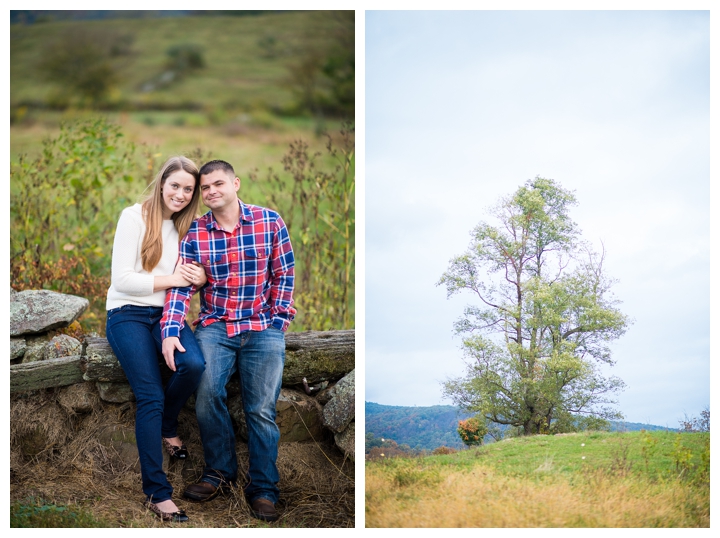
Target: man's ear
{"x": 237, "y": 184}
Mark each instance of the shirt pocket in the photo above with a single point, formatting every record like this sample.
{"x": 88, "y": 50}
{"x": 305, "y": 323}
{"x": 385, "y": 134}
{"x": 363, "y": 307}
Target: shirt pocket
{"x": 255, "y": 262}
{"x": 216, "y": 266}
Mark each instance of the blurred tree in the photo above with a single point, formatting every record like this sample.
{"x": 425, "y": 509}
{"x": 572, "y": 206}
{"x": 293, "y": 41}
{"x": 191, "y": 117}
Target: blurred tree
{"x": 185, "y": 57}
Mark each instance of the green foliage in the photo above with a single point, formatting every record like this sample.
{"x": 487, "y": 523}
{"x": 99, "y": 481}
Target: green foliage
{"x": 547, "y": 301}
{"x": 423, "y": 428}
{"x": 321, "y": 74}
{"x": 472, "y": 431}
{"x": 64, "y": 207}
{"x": 318, "y": 206}
{"x": 37, "y": 513}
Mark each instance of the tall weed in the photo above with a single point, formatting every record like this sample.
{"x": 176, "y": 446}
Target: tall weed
{"x": 317, "y": 202}
{"x": 64, "y": 205}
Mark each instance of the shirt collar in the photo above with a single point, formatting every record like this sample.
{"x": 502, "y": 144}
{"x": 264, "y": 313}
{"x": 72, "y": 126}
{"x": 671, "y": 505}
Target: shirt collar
{"x": 245, "y": 214}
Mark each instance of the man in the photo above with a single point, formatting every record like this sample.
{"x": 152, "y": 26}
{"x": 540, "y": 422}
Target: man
{"x": 245, "y": 309}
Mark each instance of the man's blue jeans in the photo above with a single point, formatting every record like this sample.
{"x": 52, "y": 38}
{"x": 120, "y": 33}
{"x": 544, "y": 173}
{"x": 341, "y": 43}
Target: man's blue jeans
{"x": 134, "y": 335}
{"x": 259, "y": 357}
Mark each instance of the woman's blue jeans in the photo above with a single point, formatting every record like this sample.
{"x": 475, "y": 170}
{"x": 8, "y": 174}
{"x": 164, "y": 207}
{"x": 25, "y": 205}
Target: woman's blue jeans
{"x": 134, "y": 335}
{"x": 259, "y": 357}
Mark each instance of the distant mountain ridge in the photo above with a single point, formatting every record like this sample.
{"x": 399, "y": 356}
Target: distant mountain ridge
{"x": 427, "y": 428}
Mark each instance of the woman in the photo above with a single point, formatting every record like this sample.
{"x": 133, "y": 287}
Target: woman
{"x": 145, "y": 252}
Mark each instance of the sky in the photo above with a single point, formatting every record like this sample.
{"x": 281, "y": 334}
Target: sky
{"x": 461, "y": 108}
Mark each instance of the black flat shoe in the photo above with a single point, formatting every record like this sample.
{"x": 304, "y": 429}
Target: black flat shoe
{"x": 175, "y": 517}
{"x": 176, "y": 452}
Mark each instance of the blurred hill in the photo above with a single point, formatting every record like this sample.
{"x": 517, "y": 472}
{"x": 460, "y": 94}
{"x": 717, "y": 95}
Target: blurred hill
{"x": 289, "y": 63}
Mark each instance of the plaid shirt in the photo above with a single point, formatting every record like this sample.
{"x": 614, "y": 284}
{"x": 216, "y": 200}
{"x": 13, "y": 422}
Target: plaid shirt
{"x": 250, "y": 272}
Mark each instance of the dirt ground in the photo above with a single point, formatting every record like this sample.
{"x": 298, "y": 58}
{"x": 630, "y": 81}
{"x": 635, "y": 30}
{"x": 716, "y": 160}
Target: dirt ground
{"x": 88, "y": 459}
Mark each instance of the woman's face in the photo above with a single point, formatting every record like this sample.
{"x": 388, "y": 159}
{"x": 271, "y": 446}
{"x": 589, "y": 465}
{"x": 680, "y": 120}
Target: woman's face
{"x": 177, "y": 192}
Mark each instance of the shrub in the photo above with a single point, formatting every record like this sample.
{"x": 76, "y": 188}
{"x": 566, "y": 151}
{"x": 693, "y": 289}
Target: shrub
{"x": 64, "y": 206}
{"x": 472, "y": 431}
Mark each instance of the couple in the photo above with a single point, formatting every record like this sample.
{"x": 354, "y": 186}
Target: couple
{"x": 240, "y": 259}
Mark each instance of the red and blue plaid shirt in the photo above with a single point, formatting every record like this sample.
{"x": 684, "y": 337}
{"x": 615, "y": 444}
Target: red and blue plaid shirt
{"x": 250, "y": 272}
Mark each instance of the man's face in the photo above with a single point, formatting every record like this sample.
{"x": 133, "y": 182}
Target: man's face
{"x": 219, "y": 189}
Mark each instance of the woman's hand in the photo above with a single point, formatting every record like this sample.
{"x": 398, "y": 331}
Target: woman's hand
{"x": 190, "y": 274}
{"x": 193, "y": 273}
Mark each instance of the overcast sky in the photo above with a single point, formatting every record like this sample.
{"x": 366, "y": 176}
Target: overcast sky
{"x": 464, "y": 107}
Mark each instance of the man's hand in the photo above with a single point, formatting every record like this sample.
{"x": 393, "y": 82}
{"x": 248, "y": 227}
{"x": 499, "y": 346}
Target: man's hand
{"x": 169, "y": 345}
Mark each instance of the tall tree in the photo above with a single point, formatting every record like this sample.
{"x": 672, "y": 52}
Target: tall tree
{"x": 537, "y": 338}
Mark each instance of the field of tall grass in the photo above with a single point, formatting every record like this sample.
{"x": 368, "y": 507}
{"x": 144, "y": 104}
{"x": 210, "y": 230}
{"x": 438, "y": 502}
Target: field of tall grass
{"x": 590, "y": 479}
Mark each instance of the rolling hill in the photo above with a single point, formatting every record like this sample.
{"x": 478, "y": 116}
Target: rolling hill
{"x": 427, "y": 428}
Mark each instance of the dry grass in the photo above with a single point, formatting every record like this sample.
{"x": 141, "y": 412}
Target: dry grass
{"x": 73, "y": 468}
{"x": 483, "y": 497}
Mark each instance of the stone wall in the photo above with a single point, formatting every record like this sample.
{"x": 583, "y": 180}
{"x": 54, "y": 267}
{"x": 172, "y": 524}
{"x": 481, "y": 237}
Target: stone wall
{"x": 317, "y": 399}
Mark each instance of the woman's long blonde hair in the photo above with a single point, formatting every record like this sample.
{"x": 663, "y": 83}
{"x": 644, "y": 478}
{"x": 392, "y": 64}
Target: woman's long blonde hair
{"x": 152, "y": 209}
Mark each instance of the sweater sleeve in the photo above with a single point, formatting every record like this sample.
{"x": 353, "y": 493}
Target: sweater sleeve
{"x": 125, "y": 278}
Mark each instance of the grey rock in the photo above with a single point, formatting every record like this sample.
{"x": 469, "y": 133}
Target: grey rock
{"x": 340, "y": 410}
{"x": 17, "y": 348}
{"x": 37, "y": 311}
{"x": 61, "y": 345}
{"x": 35, "y": 346}
{"x": 115, "y": 392}
{"x": 345, "y": 441}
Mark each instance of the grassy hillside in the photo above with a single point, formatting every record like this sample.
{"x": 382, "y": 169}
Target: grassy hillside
{"x": 592, "y": 479}
{"x": 247, "y": 60}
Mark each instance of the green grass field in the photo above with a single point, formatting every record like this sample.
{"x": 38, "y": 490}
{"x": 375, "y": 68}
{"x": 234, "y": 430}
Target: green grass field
{"x": 590, "y": 479}
{"x": 240, "y": 72}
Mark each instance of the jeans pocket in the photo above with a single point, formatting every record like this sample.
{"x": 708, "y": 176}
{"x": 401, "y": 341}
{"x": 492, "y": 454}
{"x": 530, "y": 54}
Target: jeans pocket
{"x": 114, "y": 311}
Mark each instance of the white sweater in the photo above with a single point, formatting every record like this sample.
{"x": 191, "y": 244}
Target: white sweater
{"x": 130, "y": 283}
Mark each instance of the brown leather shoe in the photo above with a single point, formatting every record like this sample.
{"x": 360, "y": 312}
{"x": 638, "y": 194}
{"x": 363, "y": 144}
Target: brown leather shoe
{"x": 203, "y": 491}
{"x": 174, "y": 517}
{"x": 263, "y": 509}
